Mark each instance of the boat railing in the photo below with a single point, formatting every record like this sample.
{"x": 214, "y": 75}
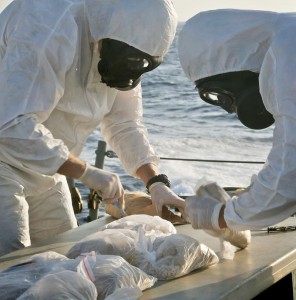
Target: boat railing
{"x": 94, "y": 200}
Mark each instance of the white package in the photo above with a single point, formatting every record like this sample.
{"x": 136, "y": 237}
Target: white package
{"x": 113, "y": 242}
{"x": 151, "y": 225}
{"x": 60, "y": 286}
{"x": 15, "y": 280}
{"x": 172, "y": 256}
{"x": 113, "y": 272}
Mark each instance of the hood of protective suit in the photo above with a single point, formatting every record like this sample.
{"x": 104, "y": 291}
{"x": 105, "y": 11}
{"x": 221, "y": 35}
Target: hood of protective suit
{"x": 227, "y": 40}
{"x": 148, "y": 25}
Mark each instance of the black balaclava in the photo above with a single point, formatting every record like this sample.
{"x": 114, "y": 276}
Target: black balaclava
{"x": 121, "y": 65}
{"x": 237, "y": 92}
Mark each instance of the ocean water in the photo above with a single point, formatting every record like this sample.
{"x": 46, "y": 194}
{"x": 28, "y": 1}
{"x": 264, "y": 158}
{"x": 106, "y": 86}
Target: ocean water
{"x": 180, "y": 125}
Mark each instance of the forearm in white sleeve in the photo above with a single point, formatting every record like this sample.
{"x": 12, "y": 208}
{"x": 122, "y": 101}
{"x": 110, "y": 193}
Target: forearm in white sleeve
{"x": 125, "y": 133}
{"x": 272, "y": 196}
{"x": 26, "y": 144}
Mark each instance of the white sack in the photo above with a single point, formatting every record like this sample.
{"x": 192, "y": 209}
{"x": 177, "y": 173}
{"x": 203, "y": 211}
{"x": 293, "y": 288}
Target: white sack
{"x": 169, "y": 257}
{"x": 150, "y": 224}
{"x": 61, "y": 286}
{"x": 113, "y": 242}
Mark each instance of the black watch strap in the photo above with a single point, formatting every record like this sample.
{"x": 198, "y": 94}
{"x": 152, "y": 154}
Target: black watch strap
{"x": 158, "y": 178}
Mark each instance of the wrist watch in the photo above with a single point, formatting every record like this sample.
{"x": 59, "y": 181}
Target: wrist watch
{"x": 158, "y": 178}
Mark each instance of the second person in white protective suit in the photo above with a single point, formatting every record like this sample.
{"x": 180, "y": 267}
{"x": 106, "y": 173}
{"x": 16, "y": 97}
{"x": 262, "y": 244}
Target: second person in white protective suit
{"x": 67, "y": 66}
{"x": 244, "y": 62}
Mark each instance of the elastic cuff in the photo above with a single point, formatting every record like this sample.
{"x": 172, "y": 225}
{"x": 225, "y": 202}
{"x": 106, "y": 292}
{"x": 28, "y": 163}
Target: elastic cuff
{"x": 215, "y": 216}
{"x": 84, "y": 172}
{"x": 155, "y": 184}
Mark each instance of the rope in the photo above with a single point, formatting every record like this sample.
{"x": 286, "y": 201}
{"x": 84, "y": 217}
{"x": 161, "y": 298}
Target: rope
{"x": 112, "y": 154}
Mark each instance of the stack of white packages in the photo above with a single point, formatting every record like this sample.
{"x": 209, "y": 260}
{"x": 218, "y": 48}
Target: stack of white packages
{"x": 151, "y": 244}
{"x": 128, "y": 256}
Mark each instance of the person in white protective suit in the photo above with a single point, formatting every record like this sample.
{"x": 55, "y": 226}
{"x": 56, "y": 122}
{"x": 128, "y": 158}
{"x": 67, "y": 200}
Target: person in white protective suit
{"x": 244, "y": 62}
{"x": 66, "y": 67}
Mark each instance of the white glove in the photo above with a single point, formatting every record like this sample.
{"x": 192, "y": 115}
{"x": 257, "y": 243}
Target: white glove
{"x": 106, "y": 184}
{"x": 162, "y": 195}
{"x": 203, "y": 210}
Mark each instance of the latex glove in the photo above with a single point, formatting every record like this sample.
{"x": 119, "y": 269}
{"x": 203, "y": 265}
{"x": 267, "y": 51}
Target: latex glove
{"x": 203, "y": 212}
{"x": 106, "y": 184}
{"x": 162, "y": 195}
{"x": 239, "y": 239}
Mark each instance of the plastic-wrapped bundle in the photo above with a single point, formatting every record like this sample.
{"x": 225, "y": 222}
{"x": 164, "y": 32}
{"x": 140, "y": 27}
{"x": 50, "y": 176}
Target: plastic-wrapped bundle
{"x": 230, "y": 239}
{"x": 114, "y": 272}
{"x": 15, "y": 280}
{"x": 113, "y": 242}
{"x": 107, "y": 272}
{"x": 172, "y": 256}
{"x": 137, "y": 202}
{"x": 151, "y": 225}
{"x": 60, "y": 286}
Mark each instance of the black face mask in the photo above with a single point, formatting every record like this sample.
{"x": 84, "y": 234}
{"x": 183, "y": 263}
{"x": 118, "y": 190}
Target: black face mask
{"x": 237, "y": 92}
{"x": 121, "y": 65}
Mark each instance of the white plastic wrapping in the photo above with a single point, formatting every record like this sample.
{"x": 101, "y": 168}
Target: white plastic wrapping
{"x": 60, "y": 286}
{"x": 15, "y": 280}
{"x": 113, "y": 272}
{"x": 107, "y": 273}
{"x": 113, "y": 242}
{"x": 172, "y": 256}
{"x": 151, "y": 225}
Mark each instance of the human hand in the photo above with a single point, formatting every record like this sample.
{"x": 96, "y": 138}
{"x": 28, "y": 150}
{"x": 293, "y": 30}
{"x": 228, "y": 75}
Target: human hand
{"x": 203, "y": 210}
{"x": 106, "y": 184}
{"x": 162, "y": 195}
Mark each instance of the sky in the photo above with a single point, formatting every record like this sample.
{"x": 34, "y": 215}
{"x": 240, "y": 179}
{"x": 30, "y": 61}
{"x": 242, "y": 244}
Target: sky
{"x": 188, "y": 8}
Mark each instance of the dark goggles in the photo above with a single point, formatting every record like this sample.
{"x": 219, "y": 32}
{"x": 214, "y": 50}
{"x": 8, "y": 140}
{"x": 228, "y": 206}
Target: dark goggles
{"x": 218, "y": 97}
{"x": 121, "y": 65}
{"x": 137, "y": 64}
{"x": 237, "y": 92}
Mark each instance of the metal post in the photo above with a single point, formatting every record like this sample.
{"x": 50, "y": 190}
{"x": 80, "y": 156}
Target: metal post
{"x": 100, "y": 154}
{"x": 93, "y": 205}
{"x": 75, "y": 195}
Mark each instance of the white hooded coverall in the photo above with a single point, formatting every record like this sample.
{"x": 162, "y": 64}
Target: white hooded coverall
{"x": 221, "y": 41}
{"x": 51, "y": 100}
